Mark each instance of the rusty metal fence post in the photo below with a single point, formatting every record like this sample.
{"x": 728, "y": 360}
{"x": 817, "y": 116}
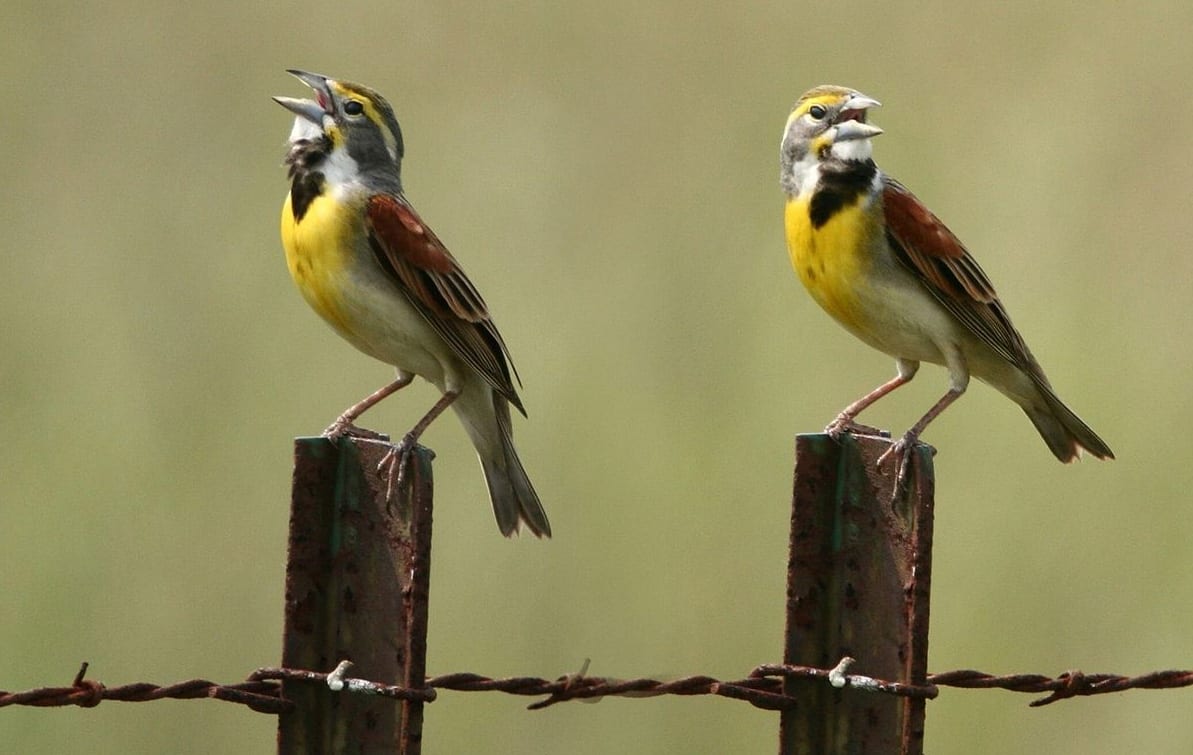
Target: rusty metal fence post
{"x": 357, "y": 586}
{"x": 858, "y": 584}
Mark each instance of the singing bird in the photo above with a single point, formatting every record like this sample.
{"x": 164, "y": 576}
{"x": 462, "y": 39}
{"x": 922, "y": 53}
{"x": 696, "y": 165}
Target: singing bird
{"x": 368, "y": 265}
{"x": 888, "y": 270}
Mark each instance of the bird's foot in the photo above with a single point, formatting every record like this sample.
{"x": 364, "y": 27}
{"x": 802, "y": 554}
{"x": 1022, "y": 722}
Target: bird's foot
{"x": 902, "y": 452}
{"x": 395, "y": 462}
{"x": 343, "y": 428}
{"x": 844, "y": 425}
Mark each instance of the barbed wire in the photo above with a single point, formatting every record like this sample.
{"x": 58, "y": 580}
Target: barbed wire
{"x": 259, "y": 695}
{"x": 1069, "y": 684}
{"x": 763, "y": 688}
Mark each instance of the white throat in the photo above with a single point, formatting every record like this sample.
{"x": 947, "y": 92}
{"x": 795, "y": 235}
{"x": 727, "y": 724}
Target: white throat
{"x": 339, "y": 169}
{"x": 304, "y": 129}
{"x": 853, "y": 149}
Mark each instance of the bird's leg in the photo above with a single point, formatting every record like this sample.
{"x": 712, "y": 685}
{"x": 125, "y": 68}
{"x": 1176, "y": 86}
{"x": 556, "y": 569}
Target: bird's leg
{"x": 343, "y": 424}
{"x": 902, "y": 448}
{"x": 844, "y": 423}
{"x": 397, "y": 456}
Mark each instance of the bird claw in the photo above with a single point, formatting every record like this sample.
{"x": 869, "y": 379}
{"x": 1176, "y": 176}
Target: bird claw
{"x": 397, "y": 459}
{"x": 843, "y": 425}
{"x": 903, "y": 450}
{"x": 343, "y": 428}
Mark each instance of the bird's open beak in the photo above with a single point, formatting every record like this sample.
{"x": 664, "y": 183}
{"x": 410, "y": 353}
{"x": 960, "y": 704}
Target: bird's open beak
{"x": 311, "y": 110}
{"x": 853, "y": 130}
{"x": 856, "y": 107}
{"x": 851, "y": 123}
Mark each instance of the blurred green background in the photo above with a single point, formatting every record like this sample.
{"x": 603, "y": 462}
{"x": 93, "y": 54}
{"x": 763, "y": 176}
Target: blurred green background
{"x": 607, "y": 174}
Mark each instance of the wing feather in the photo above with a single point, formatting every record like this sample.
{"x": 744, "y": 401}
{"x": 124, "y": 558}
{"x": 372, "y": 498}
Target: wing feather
{"x": 937, "y": 257}
{"x": 427, "y": 274}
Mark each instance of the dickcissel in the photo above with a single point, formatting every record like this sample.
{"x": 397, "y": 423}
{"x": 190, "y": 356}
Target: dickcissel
{"x": 367, "y": 263}
{"x": 888, "y": 270}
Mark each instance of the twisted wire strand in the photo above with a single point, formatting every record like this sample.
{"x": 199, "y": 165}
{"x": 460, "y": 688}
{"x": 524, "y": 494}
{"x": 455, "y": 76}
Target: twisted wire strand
{"x": 763, "y": 688}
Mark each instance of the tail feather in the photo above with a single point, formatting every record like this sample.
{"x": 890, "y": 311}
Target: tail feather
{"x": 514, "y": 499}
{"x": 1063, "y": 431}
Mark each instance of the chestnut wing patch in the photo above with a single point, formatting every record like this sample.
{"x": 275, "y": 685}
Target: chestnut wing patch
{"x": 937, "y": 257}
{"x": 427, "y": 274}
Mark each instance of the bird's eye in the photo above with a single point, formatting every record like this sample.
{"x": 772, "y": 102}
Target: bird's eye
{"x": 353, "y": 107}
{"x": 817, "y": 111}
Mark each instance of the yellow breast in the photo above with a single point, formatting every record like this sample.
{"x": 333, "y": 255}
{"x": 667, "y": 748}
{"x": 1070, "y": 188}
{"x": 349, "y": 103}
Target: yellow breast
{"x": 832, "y": 260}
{"x": 318, "y": 253}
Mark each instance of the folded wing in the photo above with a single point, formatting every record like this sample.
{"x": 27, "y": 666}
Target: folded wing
{"x": 427, "y": 274}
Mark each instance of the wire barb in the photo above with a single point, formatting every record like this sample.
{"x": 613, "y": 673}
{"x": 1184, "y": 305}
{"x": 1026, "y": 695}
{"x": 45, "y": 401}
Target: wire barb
{"x": 837, "y": 677}
{"x": 337, "y": 681}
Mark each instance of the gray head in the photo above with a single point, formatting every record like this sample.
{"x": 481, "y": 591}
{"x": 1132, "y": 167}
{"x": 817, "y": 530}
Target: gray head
{"x": 827, "y": 123}
{"x": 350, "y": 119}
